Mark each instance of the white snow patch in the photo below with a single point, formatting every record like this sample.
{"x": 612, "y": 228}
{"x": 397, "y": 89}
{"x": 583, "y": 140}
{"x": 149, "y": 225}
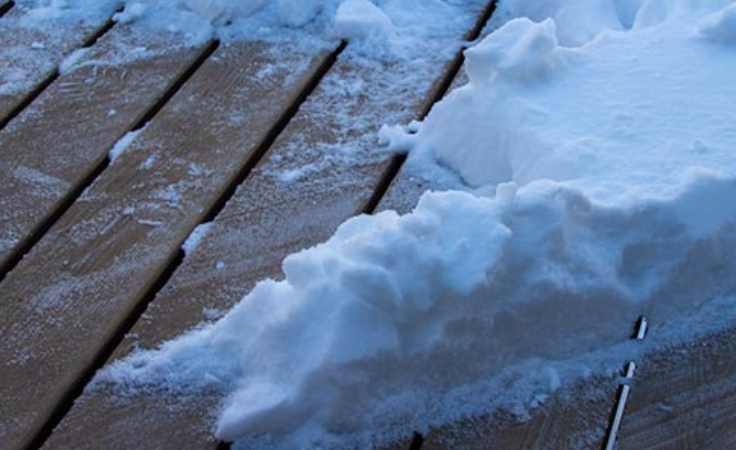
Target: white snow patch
{"x": 68, "y": 64}
{"x": 123, "y": 144}
{"x": 361, "y": 19}
{"x": 199, "y": 232}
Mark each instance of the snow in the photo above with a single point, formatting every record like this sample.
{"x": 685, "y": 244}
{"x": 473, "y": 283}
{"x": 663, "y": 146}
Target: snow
{"x": 362, "y": 19}
{"x": 199, "y": 232}
{"x": 720, "y": 26}
{"x": 123, "y": 143}
{"x": 590, "y": 159}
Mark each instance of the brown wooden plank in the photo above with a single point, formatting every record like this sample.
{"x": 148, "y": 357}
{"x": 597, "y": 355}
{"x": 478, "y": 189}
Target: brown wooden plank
{"x": 267, "y": 219}
{"x": 71, "y": 295}
{"x": 47, "y": 154}
{"x": 575, "y": 419}
{"x": 31, "y": 54}
{"x": 684, "y": 397}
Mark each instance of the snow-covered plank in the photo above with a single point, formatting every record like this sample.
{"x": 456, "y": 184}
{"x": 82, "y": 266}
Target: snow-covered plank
{"x": 684, "y": 397}
{"x": 48, "y": 153}
{"x": 320, "y": 171}
{"x": 69, "y": 299}
{"x": 32, "y": 51}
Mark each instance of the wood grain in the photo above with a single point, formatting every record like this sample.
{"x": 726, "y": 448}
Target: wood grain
{"x": 49, "y": 151}
{"x": 30, "y": 54}
{"x": 684, "y": 398}
{"x": 70, "y": 297}
{"x": 319, "y": 172}
{"x": 575, "y": 419}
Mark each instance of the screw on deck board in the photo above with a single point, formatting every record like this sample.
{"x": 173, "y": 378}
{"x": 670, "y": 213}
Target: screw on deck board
{"x": 642, "y": 328}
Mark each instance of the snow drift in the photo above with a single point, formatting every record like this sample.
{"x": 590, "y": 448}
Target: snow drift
{"x": 593, "y": 175}
{"x": 384, "y": 23}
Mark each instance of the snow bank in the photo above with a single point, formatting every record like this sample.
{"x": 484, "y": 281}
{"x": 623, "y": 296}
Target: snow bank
{"x": 605, "y": 118}
{"x": 381, "y": 25}
{"x": 720, "y": 26}
{"x": 594, "y": 172}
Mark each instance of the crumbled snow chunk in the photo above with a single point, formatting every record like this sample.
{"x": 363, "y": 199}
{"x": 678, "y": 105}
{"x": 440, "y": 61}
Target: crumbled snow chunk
{"x": 149, "y": 162}
{"x": 132, "y": 11}
{"x": 199, "y": 232}
{"x": 123, "y": 144}
{"x": 213, "y": 313}
{"x": 520, "y": 50}
{"x": 150, "y": 223}
{"x": 68, "y": 64}
{"x": 361, "y": 19}
{"x": 297, "y": 13}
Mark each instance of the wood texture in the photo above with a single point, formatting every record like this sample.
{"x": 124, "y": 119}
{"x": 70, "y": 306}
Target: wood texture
{"x": 575, "y": 419}
{"x": 48, "y": 152}
{"x": 684, "y": 398}
{"x": 318, "y": 173}
{"x": 30, "y": 54}
{"x": 71, "y": 295}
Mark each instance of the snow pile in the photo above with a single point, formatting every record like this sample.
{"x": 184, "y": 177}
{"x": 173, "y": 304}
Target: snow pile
{"x": 720, "y": 26}
{"x": 606, "y": 118}
{"x": 41, "y": 12}
{"x": 380, "y": 23}
{"x": 593, "y": 184}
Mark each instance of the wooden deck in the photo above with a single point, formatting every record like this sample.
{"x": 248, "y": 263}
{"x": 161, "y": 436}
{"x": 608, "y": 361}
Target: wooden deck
{"x": 91, "y": 259}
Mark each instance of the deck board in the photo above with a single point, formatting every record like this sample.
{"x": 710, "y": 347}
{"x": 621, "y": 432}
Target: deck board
{"x": 70, "y": 296}
{"x": 42, "y": 166}
{"x": 575, "y": 421}
{"x": 48, "y": 45}
{"x": 684, "y": 397}
{"x": 281, "y": 208}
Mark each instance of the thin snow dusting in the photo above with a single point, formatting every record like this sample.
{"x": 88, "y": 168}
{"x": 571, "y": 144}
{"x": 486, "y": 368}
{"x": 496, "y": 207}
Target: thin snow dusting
{"x": 590, "y": 159}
